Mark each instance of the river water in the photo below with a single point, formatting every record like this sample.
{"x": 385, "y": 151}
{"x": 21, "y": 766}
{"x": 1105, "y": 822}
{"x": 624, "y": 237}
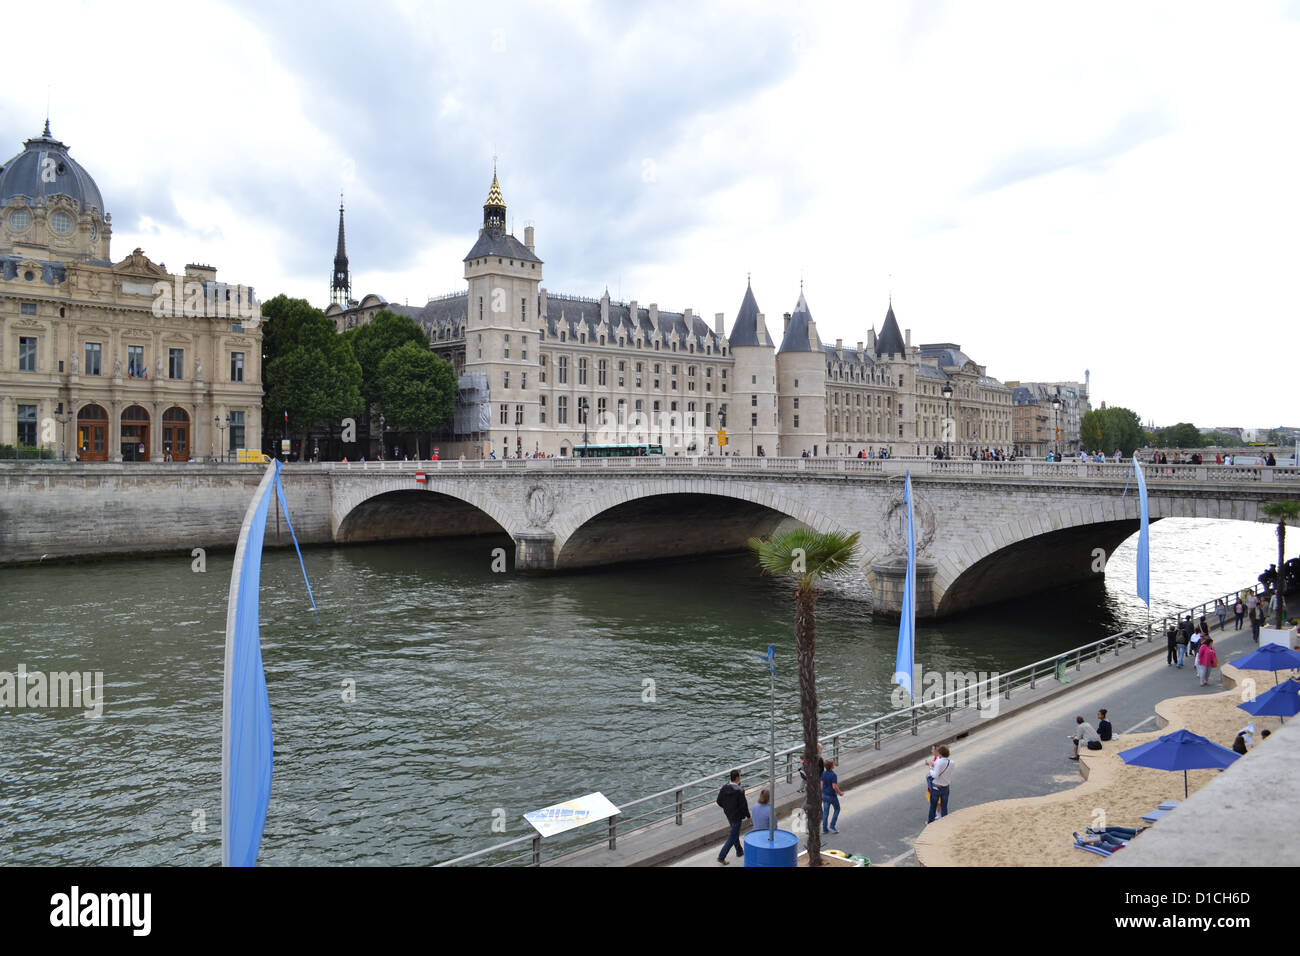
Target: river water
{"x": 474, "y": 691}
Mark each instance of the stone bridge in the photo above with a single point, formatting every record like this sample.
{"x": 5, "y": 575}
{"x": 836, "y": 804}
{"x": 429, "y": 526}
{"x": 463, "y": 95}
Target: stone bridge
{"x": 986, "y": 531}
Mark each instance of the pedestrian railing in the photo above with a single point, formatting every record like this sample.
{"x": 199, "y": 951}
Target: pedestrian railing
{"x": 669, "y": 807}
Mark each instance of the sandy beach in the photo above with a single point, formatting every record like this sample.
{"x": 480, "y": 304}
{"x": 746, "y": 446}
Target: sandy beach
{"x": 1036, "y": 831}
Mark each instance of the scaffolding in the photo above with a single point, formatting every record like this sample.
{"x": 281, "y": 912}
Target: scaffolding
{"x": 473, "y": 414}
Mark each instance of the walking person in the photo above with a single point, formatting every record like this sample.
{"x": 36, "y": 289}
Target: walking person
{"x": 1206, "y": 660}
{"x": 1239, "y": 613}
{"x": 1184, "y": 635}
{"x": 732, "y": 800}
{"x": 940, "y": 785}
{"x": 1171, "y": 642}
{"x": 831, "y": 794}
{"x": 1255, "y": 615}
{"x": 1221, "y": 609}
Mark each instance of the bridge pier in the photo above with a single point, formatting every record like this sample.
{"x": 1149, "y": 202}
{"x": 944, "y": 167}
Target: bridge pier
{"x": 534, "y": 551}
{"x": 887, "y": 581}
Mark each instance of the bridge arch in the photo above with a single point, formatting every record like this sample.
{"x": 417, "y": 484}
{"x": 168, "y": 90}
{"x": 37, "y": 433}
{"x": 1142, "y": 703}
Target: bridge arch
{"x": 1062, "y": 544}
{"x": 701, "y": 516}
{"x": 370, "y": 509}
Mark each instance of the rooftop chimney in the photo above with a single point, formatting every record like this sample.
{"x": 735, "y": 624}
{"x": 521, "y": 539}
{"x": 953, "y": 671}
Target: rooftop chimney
{"x": 812, "y": 334}
{"x": 528, "y": 237}
{"x": 871, "y": 339}
{"x": 541, "y": 312}
{"x": 907, "y": 337}
{"x": 787, "y": 324}
{"x": 762, "y": 328}
{"x": 718, "y": 320}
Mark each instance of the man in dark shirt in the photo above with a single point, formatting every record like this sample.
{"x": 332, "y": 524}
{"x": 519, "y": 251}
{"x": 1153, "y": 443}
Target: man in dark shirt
{"x": 1103, "y": 725}
{"x": 732, "y": 800}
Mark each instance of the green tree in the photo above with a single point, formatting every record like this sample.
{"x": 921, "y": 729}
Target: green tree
{"x": 1182, "y": 435}
{"x": 417, "y": 390}
{"x": 374, "y": 341}
{"x": 298, "y": 341}
{"x": 1121, "y": 430}
{"x": 809, "y": 556}
{"x": 1092, "y": 430}
{"x": 1283, "y": 511}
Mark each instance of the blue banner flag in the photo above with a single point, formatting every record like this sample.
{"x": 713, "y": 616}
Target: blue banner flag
{"x": 905, "y": 664}
{"x": 1144, "y": 539}
{"x": 246, "y": 745}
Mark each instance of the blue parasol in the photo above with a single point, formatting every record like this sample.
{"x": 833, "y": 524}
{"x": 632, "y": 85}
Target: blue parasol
{"x": 1280, "y": 701}
{"x": 1181, "y": 750}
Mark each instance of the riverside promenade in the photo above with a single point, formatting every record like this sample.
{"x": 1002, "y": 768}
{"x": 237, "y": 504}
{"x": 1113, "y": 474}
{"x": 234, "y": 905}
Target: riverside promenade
{"x": 1023, "y": 754}
{"x": 1020, "y": 751}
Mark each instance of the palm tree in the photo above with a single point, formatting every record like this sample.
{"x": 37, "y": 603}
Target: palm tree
{"x": 809, "y": 555}
{"x": 1283, "y": 511}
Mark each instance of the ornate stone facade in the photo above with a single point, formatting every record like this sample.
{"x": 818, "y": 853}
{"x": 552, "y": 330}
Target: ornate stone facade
{"x": 103, "y": 361}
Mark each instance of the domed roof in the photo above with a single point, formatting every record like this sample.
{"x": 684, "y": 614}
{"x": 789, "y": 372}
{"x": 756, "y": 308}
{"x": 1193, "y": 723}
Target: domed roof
{"x": 45, "y": 169}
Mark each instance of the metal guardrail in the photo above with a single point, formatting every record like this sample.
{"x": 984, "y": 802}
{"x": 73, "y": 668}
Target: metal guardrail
{"x": 675, "y": 802}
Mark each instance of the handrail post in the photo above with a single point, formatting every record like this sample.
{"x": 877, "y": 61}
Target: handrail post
{"x": 1007, "y": 695}
{"x": 679, "y": 806}
{"x": 537, "y": 850}
{"x": 835, "y": 748}
{"x": 1078, "y": 661}
{"x": 1033, "y": 675}
{"x": 789, "y": 768}
{"x": 613, "y": 832}
{"x": 915, "y": 725}
{"x": 877, "y": 735}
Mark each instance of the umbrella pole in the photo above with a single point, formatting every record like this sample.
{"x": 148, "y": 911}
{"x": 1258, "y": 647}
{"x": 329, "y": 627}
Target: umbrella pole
{"x": 1184, "y": 784}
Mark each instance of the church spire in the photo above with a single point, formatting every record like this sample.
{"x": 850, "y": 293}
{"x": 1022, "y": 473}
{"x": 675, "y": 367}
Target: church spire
{"x": 340, "y": 281}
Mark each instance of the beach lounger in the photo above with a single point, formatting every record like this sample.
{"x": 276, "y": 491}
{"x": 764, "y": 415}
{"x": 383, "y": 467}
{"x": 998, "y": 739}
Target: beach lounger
{"x": 1153, "y": 816}
{"x": 1169, "y": 805}
{"x": 1092, "y": 849}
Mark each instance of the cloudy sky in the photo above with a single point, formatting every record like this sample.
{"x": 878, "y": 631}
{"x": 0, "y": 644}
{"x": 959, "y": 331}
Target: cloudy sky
{"x": 1055, "y": 187}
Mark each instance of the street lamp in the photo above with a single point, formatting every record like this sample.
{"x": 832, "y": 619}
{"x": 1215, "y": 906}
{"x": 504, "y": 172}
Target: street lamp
{"x": 947, "y": 419}
{"x": 63, "y": 418}
{"x": 582, "y": 410}
{"x": 381, "y": 436}
{"x": 1056, "y": 422}
{"x": 221, "y": 429}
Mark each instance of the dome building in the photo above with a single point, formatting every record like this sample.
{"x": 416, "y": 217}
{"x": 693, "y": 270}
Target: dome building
{"x": 104, "y": 361}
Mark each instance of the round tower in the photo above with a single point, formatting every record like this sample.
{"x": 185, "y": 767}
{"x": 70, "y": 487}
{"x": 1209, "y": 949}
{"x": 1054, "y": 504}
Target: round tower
{"x": 751, "y": 398}
{"x": 801, "y": 385}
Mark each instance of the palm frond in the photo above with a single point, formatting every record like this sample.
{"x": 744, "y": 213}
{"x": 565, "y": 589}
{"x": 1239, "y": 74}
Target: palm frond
{"x": 1282, "y": 510}
{"x": 825, "y": 554}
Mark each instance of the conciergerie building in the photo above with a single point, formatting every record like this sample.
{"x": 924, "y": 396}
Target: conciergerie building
{"x": 532, "y": 363}
{"x": 104, "y": 361}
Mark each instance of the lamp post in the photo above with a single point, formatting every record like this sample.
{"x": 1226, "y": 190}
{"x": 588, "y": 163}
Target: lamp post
{"x": 221, "y": 430}
{"x": 582, "y": 411}
{"x": 947, "y": 419}
{"x": 63, "y": 418}
{"x": 1056, "y": 423}
{"x": 381, "y": 436}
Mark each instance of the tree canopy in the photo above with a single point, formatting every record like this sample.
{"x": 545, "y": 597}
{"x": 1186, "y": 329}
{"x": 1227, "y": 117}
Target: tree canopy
{"x": 1108, "y": 429}
{"x": 417, "y": 390}
{"x": 373, "y": 342}
{"x": 308, "y": 369}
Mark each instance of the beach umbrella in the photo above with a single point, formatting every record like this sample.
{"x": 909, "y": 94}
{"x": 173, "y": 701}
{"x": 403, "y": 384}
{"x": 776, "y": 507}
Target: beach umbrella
{"x": 1269, "y": 657}
{"x": 1280, "y": 701}
{"x": 1181, "y": 750}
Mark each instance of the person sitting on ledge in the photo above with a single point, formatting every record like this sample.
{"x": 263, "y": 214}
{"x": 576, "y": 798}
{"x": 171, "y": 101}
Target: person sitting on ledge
{"x": 1086, "y": 735}
{"x": 1103, "y": 725}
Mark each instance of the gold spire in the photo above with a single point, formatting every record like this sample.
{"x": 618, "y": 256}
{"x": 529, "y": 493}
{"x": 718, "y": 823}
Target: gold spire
{"x": 494, "y": 194}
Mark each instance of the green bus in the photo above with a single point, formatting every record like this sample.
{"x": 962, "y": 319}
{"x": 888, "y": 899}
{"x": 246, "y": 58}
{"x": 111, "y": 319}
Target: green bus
{"x": 616, "y": 451}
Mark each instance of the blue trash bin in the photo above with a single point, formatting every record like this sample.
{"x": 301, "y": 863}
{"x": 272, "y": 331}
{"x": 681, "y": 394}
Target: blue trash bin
{"x": 783, "y": 850}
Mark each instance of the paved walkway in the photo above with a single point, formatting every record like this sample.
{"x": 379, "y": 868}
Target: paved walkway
{"x": 1023, "y": 755}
